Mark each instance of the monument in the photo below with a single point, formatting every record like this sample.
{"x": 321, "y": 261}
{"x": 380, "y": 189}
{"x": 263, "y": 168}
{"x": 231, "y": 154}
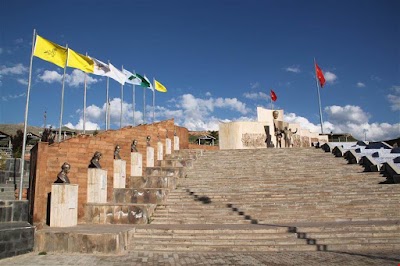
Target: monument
{"x": 119, "y": 179}
{"x": 64, "y": 200}
{"x": 136, "y": 160}
{"x": 267, "y": 132}
{"x": 149, "y": 153}
{"x": 97, "y": 181}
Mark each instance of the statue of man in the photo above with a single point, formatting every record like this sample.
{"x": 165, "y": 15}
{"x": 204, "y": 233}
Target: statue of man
{"x": 148, "y": 138}
{"x": 278, "y": 131}
{"x": 288, "y": 137}
{"x": 133, "y": 146}
{"x": 116, "y": 153}
{"x": 95, "y": 161}
{"x": 62, "y": 175}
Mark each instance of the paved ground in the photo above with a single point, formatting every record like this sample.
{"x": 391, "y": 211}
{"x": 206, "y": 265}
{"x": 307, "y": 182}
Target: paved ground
{"x": 208, "y": 258}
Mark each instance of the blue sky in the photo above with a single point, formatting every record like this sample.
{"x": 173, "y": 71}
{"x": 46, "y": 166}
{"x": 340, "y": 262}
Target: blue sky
{"x": 218, "y": 59}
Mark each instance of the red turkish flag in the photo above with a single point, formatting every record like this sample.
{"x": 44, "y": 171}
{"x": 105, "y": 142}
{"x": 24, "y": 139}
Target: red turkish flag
{"x": 320, "y": 75}
{"x": 273, "y": 96}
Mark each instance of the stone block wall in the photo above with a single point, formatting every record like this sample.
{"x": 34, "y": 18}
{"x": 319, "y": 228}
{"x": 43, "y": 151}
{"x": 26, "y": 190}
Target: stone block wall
{"x": 78, "y": 152}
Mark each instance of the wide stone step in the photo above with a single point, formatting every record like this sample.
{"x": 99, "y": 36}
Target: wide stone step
{"x": 140, "y": 195}
{"x": 118, "y": 213}
{"x": 151, "y": 182}
{"x": 178, "y": 172}
{"x": 221, "y": 248}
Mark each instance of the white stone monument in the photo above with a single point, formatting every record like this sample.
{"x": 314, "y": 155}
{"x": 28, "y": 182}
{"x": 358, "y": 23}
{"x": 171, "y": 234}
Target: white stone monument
{"x": 160, "y": 151}
{"x": 168, "y": 146}
{"x": 176, "y": 143}
{"x": 119, "y": 173}
{"x": 136, "y": 164}
{"x": 64, "y": 205}
{"x": 97, "y": 185}
{"x": 150, "y": 157}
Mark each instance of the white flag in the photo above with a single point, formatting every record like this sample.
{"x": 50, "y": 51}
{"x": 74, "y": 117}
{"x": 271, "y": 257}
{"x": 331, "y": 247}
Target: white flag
{"x": 100, "y": 68}
{"x": 116, "y": 74}
{"x": 131, "y": 78}
{"x": 151, "y": 85}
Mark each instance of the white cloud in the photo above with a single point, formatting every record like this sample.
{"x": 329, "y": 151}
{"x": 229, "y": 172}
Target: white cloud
{"x": 256, "y": 95}
{"x": 348, "y": 119}
{"x": 348, "y": 113}
{"x": 18, "y": 69}
{"x": 79, "y": 126}
{"x": 77, "y": 78}
{"x": 95, "y": 115}
{"x": 231, "y": 103}
{"x": 19, "y": 41}
{"x": 394, "y": 98}
{"x": 294, "y": 69}
{"x": 330, "y": 77}
{"x": 208, "y": 94}
{"x": 375, "y": 78}
{"x": 360, "y": 85}
{"x": 12, "y": 96}
{"x": 197, "y": 114}
{"x": 255, "y": 85}
{"x": 74, "y": 79}
{"x": 302, "y": 121}
{"x": 50, "y": 76}
{"x": 22, "y": 81}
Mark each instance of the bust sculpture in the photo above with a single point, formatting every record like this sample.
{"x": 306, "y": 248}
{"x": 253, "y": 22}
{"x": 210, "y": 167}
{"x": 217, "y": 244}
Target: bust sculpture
{"x": 116, "y": 153}
{"x": 62, "y": 175}
{"x": 95, "y": 161}
{"x": 148, "y": 138}
{"x": 133, "y": 146}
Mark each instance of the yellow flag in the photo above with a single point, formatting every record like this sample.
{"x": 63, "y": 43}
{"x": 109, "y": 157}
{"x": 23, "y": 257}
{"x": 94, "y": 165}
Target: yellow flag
{"x": 49, "y": 51}
{"x": 79, "y": 61}
{"x": 158, "y": 86}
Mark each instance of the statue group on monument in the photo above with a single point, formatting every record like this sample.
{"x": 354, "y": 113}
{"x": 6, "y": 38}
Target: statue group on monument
{"x": 282, "y": 131}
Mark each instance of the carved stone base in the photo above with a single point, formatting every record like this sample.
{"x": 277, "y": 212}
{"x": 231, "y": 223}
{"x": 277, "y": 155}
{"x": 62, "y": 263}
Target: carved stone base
{"x": 64, "y": 205}
{"x": 97, "y": 185}
{"x": 119, "y": 173}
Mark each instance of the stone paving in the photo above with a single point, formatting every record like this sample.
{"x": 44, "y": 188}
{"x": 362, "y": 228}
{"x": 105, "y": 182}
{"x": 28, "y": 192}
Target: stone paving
{"x": 208, "y": 258}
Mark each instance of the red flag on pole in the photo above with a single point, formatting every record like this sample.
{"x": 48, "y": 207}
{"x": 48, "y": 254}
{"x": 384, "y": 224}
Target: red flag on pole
{"x": 273, "y": 96}
{"x": 320, "y": 75}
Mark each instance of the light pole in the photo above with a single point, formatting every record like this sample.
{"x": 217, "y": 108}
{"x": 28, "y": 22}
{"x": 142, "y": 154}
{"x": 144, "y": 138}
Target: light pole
{"x": 365, "y": 134}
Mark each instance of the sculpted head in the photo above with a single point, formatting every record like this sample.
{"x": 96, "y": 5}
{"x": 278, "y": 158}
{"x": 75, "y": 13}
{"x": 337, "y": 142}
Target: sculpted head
{"x": 275, "y": 114}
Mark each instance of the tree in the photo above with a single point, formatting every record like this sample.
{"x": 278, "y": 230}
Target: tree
{"x": 16, "y": 142}
{"x": 47, "y": 136}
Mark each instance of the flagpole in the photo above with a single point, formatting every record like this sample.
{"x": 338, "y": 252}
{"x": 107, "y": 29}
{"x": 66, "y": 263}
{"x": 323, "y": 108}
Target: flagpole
{"x": 154, "y": 102}
{"x": 133, "y": 101}
{"x": 28, "y": 91}
{"x": 272, "y": 105}
{"x": 108, "y": 82}
{"x": 319, "y": 98}
{"x": 144, "y": 106}
{"x": 62, "y": 97}
{"x": 122, "y": 99}
{"x": 84, "y": 103}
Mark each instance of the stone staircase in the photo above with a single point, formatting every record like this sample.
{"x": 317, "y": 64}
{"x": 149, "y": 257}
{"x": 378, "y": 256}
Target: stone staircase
{"x": 274, "y": 200}
{"x": 136, "y": 203}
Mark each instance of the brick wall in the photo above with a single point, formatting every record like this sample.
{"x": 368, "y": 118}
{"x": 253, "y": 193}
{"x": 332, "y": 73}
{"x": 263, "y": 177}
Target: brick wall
{"x": 78, "y": 152}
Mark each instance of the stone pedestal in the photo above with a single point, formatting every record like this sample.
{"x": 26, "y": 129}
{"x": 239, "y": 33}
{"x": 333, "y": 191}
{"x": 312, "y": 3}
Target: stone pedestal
{"x": 150, "y": 157}
{"x": 119, "y": 173}
{"x": 168, "y": 146}
{"x": 136, "y": 164}
{"x": 97, "y": 185}
{"x": 160, "y": 151}
{"x": 64, "y": 205}
{"x": 176, "y": 143}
